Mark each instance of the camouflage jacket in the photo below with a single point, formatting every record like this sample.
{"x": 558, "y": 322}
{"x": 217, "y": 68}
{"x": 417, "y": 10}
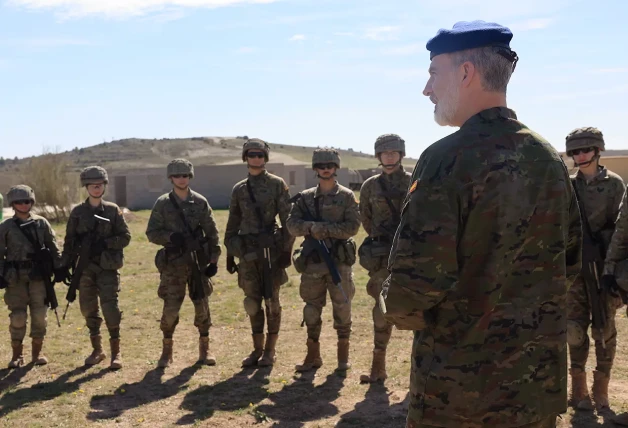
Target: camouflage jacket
{"x": 337, "y": 210}
{"x": 618, "y": 248}
{"x": 165, "y": 220}
{"x": 15, "y": 247}
{"x": 378, "y": 217}
{"x": 600, "y": 199}
{"x": 272, "y": 196}
{"x": 488, "y": 245}
{"x": 83, "y": 223}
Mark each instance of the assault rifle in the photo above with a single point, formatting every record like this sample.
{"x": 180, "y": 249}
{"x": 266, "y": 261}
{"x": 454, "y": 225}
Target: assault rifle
{"x": 592, "y": 267}
{"x": 80, "y": 262}
{"x": 312, "y": 244}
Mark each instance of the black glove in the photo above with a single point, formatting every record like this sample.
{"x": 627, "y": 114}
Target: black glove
{"x": 3, "y": 283}
{"x": 177, "y": 239}
{"x": 97, "y": 248}
{"x": 610, "y": 283}
{"x": 211, "y": 270}
{"x": 285, "y": 260}
{"x": 231, "y": 265}
{"x": 60, "y": 275}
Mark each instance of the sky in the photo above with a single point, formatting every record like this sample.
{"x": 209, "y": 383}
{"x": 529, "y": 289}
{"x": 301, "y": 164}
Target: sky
{"x": 75, "y": 73}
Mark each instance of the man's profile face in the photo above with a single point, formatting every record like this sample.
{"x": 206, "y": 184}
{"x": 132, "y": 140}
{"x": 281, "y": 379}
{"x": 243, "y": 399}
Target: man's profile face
{"x": 443, "y": 90}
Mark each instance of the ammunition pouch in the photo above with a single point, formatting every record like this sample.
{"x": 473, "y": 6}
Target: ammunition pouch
{"x": 374, "y": 252}
{"x": 235, "y": 246}
{"x": 160, "y": 260}
{"x": 344, "y": 251}
{"x": 111, "y": 259}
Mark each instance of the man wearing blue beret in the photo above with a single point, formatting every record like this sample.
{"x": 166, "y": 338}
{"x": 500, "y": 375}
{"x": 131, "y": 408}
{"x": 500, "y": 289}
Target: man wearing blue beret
{"x": 488, "y": 245}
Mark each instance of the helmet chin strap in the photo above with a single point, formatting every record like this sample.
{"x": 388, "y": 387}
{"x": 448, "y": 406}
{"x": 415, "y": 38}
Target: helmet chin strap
{"x": 390, "y": 166}
{"x": 587, "y": 163}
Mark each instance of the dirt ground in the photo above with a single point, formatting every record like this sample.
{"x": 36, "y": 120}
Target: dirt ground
{"x": 65, "y": 393}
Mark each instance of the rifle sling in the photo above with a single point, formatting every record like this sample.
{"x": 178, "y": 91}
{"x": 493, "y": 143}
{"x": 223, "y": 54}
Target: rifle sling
{"x": 391, "y": 206}
{"x": 180, "y": 211}
{"x": 34, "y": 241}
{"x": 258, "y": 209}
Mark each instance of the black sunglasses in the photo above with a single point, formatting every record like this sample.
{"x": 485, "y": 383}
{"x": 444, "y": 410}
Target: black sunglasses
{"x": 180, "y": 175}
{"x": 253, "y": 155}
{"x": 22, "y": 202}
{"x": 325, "y": 166}
{"x": 585, "y": 150}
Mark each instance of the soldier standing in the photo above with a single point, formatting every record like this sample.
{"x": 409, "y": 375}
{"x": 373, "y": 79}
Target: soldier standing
{"x": 22, "y": 274}
{"x": 182, "y": 222}
{"x": 263, "y": 248}
{"x": 97, "y": 229}
{"x": 487, "y": 247}
{"x": 600, "y": 192}
{"x": 327, "y": 213}
{"x": 381, "y": 197}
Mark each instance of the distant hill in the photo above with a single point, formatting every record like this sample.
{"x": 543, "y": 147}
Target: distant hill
{"x": 144, "y": 153}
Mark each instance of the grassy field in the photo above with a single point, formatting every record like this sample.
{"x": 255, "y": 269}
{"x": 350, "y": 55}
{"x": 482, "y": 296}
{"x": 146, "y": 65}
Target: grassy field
{"x": 65, "y": 393}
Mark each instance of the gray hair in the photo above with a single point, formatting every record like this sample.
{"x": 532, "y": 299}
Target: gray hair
{"x": 495, "y": 70}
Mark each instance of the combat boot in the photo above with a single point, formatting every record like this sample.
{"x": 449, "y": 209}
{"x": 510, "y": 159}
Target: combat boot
{"x": 579, "y": 391}
{"x": 166, "y": 354}
{"x": 17, "y": 360}
{"x": 268, "y": 359}
{"x": 97, "y": 354}
{"x": 116, "y": 357}
{"x": 600, "y": 390}
{"x": 203, "y": 351}
{"x": 343, "y": 355}
{"x": 312, "y": 359}
{"x": 258, "y": 350}
{"x": 378, "y": 368}
{"x": 39, "y": 359}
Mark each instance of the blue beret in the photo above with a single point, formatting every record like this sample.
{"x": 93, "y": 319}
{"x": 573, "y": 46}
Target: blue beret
{"x": 469, "y": 35}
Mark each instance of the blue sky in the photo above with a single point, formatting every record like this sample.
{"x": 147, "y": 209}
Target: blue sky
{"x": 307, "y": 72}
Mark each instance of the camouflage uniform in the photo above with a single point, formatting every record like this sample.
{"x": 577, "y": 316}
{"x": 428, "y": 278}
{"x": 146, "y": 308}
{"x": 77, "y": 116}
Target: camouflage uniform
{"x": 381, "y": 197}
{"x": 337, "y": 221}
{"x": 488, "y": 244}
{"x": 242, "y": 239}
{"x": 600, "y": 197}
{"x": 101, "y": 278}
{"x": 174, "y": 264}
{"x": 25, "y": 287}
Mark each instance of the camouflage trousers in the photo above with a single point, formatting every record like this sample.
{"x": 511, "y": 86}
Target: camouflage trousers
{"x": 579, "y": 320}
{"x": 548, "y": 422}
{"x": 21, "y": 294}
{"x": 104, "y": 285}
{"x": 315, "y": 283}
{"x": 172, "y": 288}
{"x": 250, "y": 281}
{"x": 381, "y": 328}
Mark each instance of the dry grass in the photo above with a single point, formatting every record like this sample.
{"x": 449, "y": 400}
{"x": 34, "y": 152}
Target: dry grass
{"x": 64, "y": 393}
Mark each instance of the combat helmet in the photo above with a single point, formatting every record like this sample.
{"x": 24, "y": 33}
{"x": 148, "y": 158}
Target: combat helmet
{"x": 255, "y": 143}
{"x": 180, "y": 166}
{"x": 581, "y": 138}
{"x": 388, "y": 142}
{"x": 326, "y": 155}
{"x": 94, "y": 174}
{"x": 19, "y": 193}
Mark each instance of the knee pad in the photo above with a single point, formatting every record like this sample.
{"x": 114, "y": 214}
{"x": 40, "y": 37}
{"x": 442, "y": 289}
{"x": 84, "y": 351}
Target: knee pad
{"x": 272, "y": 308}
{"x": 575, "y": 334}
{"x": 18, "y": 319}
{"x": 252, "y": 306}
{"x": 311, "y": 315}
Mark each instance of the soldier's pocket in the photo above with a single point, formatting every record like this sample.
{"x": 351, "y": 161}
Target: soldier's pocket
{"x": 160, "y": 260}
{"x": 111, "y": 259}
{"x": 299, "y": 260}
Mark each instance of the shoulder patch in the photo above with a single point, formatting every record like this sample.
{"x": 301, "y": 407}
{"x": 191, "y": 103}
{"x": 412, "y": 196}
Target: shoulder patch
{"x": 413, "y": 187}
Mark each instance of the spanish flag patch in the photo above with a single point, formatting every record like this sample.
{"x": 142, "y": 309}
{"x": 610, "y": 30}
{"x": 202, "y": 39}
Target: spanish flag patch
{"x": 413, "y": 187}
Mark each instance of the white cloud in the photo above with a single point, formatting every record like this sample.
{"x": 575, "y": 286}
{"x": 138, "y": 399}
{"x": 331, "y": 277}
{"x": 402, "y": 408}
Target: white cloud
{"x": 531, "y": 24}
{"x": 123, "y": 8}
{"x": 297, "y": 37}
{"x": 387, "y": 32}
{"x": 411, "y": 49}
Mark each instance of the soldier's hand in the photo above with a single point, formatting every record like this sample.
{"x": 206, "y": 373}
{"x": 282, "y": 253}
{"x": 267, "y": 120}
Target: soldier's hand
{"x": 177, "y": 239}
{"x": 285, "y": 260}
{"x": 610, "y": 283}
{"x": 211, "y": 270}
{"x": 231, "y": 265}
{"x": 3, "y": 283}
{"x": 319, "y": 231}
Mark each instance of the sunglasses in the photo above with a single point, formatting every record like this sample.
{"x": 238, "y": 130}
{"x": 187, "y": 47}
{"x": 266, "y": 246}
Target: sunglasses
{"x": 180, "y": 175}
{"x": 22, "y": 202}
{"x": 585, "y": 150}
{"x": 253, "y": 155}
{"x": 325, "y": 166}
